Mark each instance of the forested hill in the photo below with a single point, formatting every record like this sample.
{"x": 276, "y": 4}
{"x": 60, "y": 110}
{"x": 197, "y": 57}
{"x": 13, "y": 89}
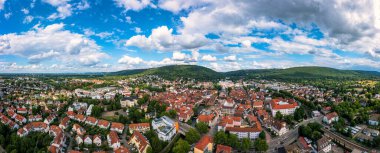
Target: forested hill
{"x": 202, "y": 73}
{"x": 172, "y": 72}
{"x": 309, "y": 72}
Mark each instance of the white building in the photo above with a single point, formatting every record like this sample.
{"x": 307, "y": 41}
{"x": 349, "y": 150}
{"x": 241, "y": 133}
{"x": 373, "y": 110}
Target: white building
{"x": 89, "y": 110}
{"x": 164, "y": 127}
{"x": 285, "y": 107}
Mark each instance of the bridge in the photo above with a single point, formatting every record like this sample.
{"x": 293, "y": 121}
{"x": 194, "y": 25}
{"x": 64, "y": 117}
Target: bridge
{"x": 346, "y": 143}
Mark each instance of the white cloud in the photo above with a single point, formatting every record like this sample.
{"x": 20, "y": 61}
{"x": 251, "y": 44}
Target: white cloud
{"x": 137, "y": 30}
{"x": 28, "y": 19}
{"x": 209, "y": 58}
{"x": 83, "y": 5}
{"x": 230, "y": 58}
{"x": 2, "y": 2}
{"x": 130, "y": 60}
{"x": 42, "y": 56}
{"x": 128, "y": 19}
{"x": 178, "y": 56}
{"x": 7, "y": 15}
{"x": 25, "y": 11}
{"x": 135, "y": 5}
{"x": 40, "y": 42}
{"x": 162, "y": 39}
{"x": 176, "y": 6}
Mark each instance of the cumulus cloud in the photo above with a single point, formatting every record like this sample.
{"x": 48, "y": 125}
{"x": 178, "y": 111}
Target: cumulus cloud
{"x": 28, "y": 19}
{"x": 163, "y": 39}
{"x": 2, "y": 2}
{"x": 53, "y": 40}
{"x": 230, "y": 58}
{"x": 209, "y": 58}
{"x": 178, "y": 56}
{"x": 176, "y": 6}
{"x": 130, "y": 60}
{"x": 65, "y": 9}
{"x": 135, "y": 5}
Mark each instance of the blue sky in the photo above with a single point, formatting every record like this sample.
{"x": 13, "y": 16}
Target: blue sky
{"x": 225, "y": 35}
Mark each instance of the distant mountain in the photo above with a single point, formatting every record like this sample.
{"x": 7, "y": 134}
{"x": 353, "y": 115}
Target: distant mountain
{"x": 172, "y": 72}
{"x": 202, "y": 73}
{"x": 307, "y": 72}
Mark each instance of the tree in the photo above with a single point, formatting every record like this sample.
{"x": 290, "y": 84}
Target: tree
{"x": 299, "y": 114}
{"x": 262, "y": 135}
{"x": 245, "y": 144}
{"x": 97, "y": 111}
{"x": 202, "y": 127}
{"x": 220, "y": 138}
{"x": 181, "y": 146}
{"x": 192, "y": 136}
{"x": 232, "y": 141}
{"x": 261, "y": 145}
{"x": 278, "y": 116}
{"x": 149, "y": 150}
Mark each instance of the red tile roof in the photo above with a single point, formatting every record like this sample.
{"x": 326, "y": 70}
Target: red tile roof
{"x": 223, "y": 149}
{"x": 205, "y": 140}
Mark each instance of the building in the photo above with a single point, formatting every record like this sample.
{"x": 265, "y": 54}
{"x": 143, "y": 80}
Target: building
{"x": 118, "y": 127}
{"x": 141, "y": 127}
{"x": 89, "y": 110}
{"x": 78, "y": 129}
{"x": 64, "y": 123}
{"x": 91, "y": 121}
{"x": 165, "y": 127}
{"x": 330, "y": 117}
{"x": 210, "y": 119}
{"x": 139, "y": 141}
{"x": 128, "y": 102}
{"x": 113, "y": 140}
{"x": 79, "y": 139}
{"x": 324, "y": 145}
{"x": 103, "y": 124}
{"x": 285, "y": 107}
{"x": 88, "y": 140}
{"x": 204, "y": 145}
{"x": 374, "y": 119}
{"x": 97, "y": 140}
{"x": 245, "y": 132}
{"x": 223, "y": 149}
{"x": 279, "y": 128}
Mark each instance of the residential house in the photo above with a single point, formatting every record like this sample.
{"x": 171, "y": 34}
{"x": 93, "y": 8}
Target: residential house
{"x": 78, "y": 129}
{"x": 324, "y": 144}
{"x": 88, "y": 140}
{"x": 113, "y": 140}
{"x": 374, "y": 119}
{"x": 64, "y": 123}
{"x": 223, "y": 149}
{"x": 79, "y": 139}
{"x": 128, "y": 102}
{"x": 139, "y": 141}
{"x": 97, "y": 140}
{"x": 103, "y": 124}
{"x": 279, "y": 128}
{"x": 330, "y": 117}
{"x": 204, "y": 145}
{"x": 118, "y": 127}
{"x": 141, "y": 127}
{"x": 91, "y": 121}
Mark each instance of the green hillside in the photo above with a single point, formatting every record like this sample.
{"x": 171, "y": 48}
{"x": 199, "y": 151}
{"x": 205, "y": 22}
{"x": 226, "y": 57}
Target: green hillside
{"x": 202, "y": 73}
{"x": 172, "y": 72}
{"x": 309, "y": 72}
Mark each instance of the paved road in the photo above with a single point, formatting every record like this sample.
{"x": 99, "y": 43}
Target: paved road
{"x": 290, "y": 136}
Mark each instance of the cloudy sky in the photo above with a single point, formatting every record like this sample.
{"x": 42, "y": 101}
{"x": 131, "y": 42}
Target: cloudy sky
{"x": 225, "y": 35}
